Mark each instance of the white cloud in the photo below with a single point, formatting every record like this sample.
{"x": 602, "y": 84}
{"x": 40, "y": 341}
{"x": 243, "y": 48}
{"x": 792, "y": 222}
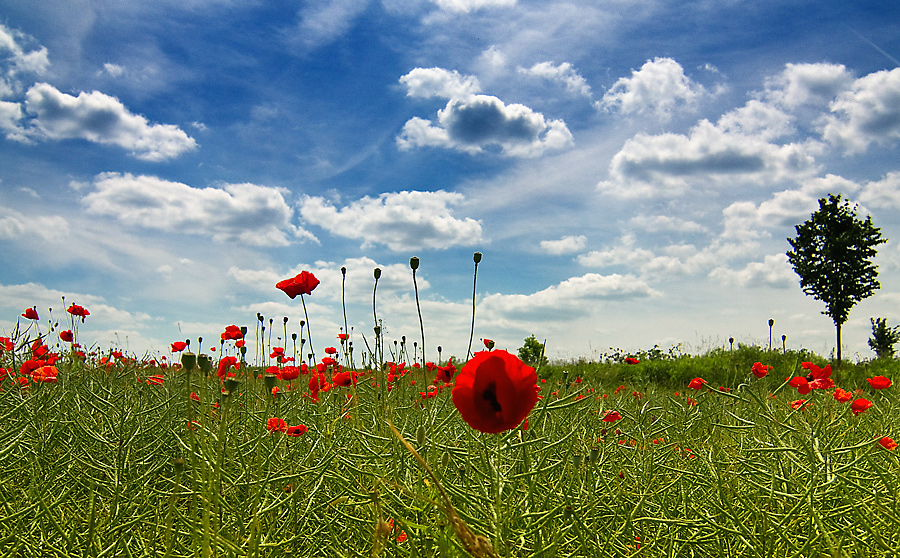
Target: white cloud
{"x": 467, "y": 6}
{"x": 868, "y": 112}
{"x": 565, "y": 245}
{"x": 49, "y": 228}
{"x": 245, "y": 213}
{"x": 113, "y": 70}
{"x": 807, "y": 84}
{"x": 884, "y": 193}
{"x": 774, "y": 271}
{"x": 17, "y": 60}
{"x": 563, "y": 73}
{"x": 99, "y": 118}
{"x": 670, "y": 164}
{"x": 477, "y": 123}
{"x": 665, "y": 223}
{"x": 438, "y": 82}
{"x": 321, "y": 22}
{"x": 679, "y": 259}
{"x": 659, "y": 87}
{"x": 570, "y": 299}
{"x": 402, "y": 221}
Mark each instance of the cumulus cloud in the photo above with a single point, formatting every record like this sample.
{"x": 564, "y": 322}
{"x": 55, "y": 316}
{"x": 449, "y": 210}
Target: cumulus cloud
{"x": 245, "y": 213}
{"x": 679, "y": 259}
{"x": 659, "y": 87}
{"x": 565, "y": 245}
{"x": 476, "y": 123}
{"x": 467, "y": 6}
{"x": 665, "y": 223}
{"x": 670, "y": 164}
{"x": 884, "y": 193}
{"x": 438, "y": 82}
{"x": 569, "y": 299}
{"x": 807, "y": 84}
{"x": 402, "y": 221}
{"x": 563, "y": 73}
{"x": 100, "y": 118}
{"x": 774, "y": 271}
{"x": 868, "y": 112}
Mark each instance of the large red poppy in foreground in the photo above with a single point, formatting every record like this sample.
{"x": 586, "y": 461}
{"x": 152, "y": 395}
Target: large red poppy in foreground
{"x": 495, "y": 391}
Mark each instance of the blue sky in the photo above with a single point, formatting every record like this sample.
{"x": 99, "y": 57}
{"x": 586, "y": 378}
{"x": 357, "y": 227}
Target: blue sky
{"x": 630, "y": 170}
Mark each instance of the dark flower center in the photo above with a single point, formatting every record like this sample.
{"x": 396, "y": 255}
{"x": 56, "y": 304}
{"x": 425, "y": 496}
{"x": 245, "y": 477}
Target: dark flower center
{"x": 490, "y": 396}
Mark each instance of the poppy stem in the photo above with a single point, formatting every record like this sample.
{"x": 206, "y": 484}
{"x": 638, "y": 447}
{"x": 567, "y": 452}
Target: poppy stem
{"x": 308, "y": 332}
{"x": 477, "y": 258}
{"x": 421, "y": 323}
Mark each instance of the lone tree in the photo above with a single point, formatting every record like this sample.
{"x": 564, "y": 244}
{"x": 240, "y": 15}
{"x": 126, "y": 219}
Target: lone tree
{"x": 832, "y": 253}
{"x": 883, "y": 338}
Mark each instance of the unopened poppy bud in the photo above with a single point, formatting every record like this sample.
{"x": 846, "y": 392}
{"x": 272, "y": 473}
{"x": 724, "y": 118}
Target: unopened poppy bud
{"x": 477, "y": 257}
{"x": 420, "y": 436}
{"x": 244, "y": 350}
{"x": 259, "y": 316}
{"x": 595, "y": 453}
{"x": 445, "y": 460}
{"x": 270, "y": 380}
{"x": 294, "y": 336}
{"x": 285, "y": 319}
{"x": 343, "y": 270}
{"x": 243, "y": 330}
{"x": 414, "y": 263}
{"x": 771, "y": 322}
{"x": 188, "y": 360}
{"x": 377, "y": 273}
{"x": 204, "y": 363}
{"x": 178, "y": 462}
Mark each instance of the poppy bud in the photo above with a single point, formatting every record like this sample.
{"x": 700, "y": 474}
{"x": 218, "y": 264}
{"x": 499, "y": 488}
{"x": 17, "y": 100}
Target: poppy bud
{"x": 244, "y": 351}
{"x": 414, "y": 263}
{"x": 243, "y": 331}
{"x": 595, "y": 453}
{"x": 285, "y": 319}
{"x": 188, "y": 360}
{"x": 771, "y": 322}
{"x": 576, "y": 461}
{"x": 343, "y": 270}
{"x": 178, "y": 462}
{"x": 445, "y": 460}
{"x": 377, "y": 273}
{"x": 420, "y": 436}
{"x": 477, "y": 257}
{"x": 205, "y": 363}
{"x": 259, "y": 316}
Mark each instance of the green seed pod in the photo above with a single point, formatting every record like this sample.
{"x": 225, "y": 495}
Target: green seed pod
{"x": 270, "y": 381}
{"x": 188, "y": 360}
{"x": 377, "y": 273}
{"x": 420, "y": 436}
{"x": 477, "y": 257}
{"x": 445, "y": 460}
{"x": 204, "y": 363}
{"x": 414, "y": 263}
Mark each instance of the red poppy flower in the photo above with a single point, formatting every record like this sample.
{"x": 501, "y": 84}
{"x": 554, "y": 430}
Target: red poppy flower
{"x": 67, "y": 335}
{"x": 6, "y": 344}
{"x": 495, "y": 391}
{"x": 798, "y": 403}
{"x": 226, "y": 363}
{"x": 45, "y": 374}
{"x": 842, "y": 396}
{"x": 302, "y": 284}
{"x": 76, "y": 310}
{"x": 879, "y": 382}
{"x": 178, "y": 346}
{"x": 888, "y": 443}
{"x": 760, "y": 370}
{"x": 445, "y": 373}
{"x": 697, "y": 383}
{"x": 276, "y": 424}
{"x": 611, "y": 416}
{"x": 195, "y": 397}
{"x": 801, "y": 384}
{"x": 631, "y": 360}
{"x": 155, "y": 380}
{"x": 330, "y": 351}
{"x": 232, "y": 332}
{"x": 343, "y": 336}
{"x": 295, "y": 431}
{"x": 345, "y": 379}
{"x": 860, "y": 406}
{"x": 288, "y": 373}
{"x": 821, "y": 383}
{"x": 31, "y": 313}
{"x": 815, "y": 372}
{"x": 488, "y": 343}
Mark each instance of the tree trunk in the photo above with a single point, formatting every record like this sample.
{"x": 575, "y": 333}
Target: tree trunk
{"x": 838, "y": 327}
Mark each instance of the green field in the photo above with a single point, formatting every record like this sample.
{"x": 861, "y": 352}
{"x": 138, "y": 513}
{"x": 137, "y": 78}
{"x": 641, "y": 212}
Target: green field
{"x": 102, "y": 462}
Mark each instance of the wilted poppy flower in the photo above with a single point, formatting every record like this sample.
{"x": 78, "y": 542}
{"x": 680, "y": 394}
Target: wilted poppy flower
{"x": 76, "y": 310}
{"x": 842, "y": 396}
{"x": 888, "y": 443}
{"x": 696, "y": 383}
{"x": 31, "y": 313}
{"x": 301, "y": 284}
{"x": 295, "y": 431}
{"x": 276, "y": 425}
{"x": 495, "y": 391}
{"x": 611, "y": 416}
{"x": 178, "y": 346}
{"x": 760, "y": 370}
{"x": 631, "y": 360}
{"x": 67, "y": 335}
{"x": 879, "y": 382}
{"x": 860, "y": 406}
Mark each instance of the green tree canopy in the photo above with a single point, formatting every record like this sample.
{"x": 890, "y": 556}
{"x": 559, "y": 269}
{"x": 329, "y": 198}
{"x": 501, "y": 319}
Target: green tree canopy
{"x": 832, "y": 253}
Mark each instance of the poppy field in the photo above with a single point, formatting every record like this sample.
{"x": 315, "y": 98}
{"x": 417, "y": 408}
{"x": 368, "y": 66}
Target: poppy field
{"x": 250, "y": 449}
